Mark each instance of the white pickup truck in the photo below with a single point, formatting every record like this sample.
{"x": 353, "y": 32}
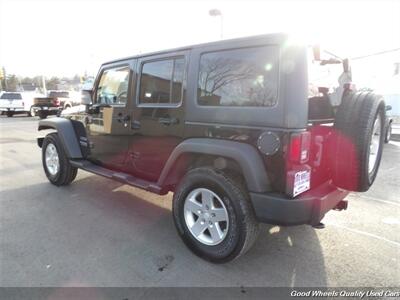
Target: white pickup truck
{"x": 15, "y": 102}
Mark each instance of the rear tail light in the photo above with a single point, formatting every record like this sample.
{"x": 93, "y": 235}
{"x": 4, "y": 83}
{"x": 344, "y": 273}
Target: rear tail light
{"x": 298, "y": 174}
{"x": 299, "y": 147}
{"x": 56, "y": 102}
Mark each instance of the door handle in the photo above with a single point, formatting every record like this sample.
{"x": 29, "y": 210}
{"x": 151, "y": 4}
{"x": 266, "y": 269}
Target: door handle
{"x": 168, "y": 121}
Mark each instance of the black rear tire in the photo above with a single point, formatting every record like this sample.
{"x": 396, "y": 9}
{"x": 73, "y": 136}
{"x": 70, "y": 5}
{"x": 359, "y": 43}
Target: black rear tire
{"x": 9, "y": 114}
{"x": 243, "y": 226}
{"x": 354, "y": 122}
{"x": 42, "y": 114}
{"x": 66, "y": 173}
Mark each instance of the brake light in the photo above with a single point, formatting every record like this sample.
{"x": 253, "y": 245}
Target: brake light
{"x": 56, "y": 102}
{"x": 299, "y": 147}
{"x": 298, "y": 173}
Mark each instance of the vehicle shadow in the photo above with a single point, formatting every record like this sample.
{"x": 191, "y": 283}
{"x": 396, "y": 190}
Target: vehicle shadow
{"x": 22, "y": 115}
{"x": 97, "y": 232}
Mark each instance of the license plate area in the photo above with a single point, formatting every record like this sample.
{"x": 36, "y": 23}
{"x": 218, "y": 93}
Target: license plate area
{"x": 298, "y": 181}
{"x": 301, "y": 182}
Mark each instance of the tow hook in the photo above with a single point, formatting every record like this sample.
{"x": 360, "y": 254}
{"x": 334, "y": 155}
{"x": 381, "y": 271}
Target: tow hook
{"x": 342, "y": 205}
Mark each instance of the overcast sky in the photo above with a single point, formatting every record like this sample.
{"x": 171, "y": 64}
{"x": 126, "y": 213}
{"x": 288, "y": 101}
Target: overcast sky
{"x": 64, "y": 38}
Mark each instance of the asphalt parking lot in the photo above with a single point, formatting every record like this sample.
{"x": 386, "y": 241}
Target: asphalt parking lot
{"x": 97, "y": 232}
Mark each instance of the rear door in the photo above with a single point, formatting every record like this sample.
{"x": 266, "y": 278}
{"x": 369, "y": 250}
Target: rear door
{"x": 107, "y": 121}
{"x": 158, "y": 118}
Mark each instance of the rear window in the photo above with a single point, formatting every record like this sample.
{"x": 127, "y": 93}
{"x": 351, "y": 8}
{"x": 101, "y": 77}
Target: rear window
{"x": 59, "y": 94}
{"x": 239, "y": 77}
{"x": 11, "y": 96}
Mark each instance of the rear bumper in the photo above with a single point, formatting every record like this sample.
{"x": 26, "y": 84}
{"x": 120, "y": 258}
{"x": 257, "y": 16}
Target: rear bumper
{"x": 11, "y": 109}
{"x": 50, "y": 110}
{"x": 308, "y": 208}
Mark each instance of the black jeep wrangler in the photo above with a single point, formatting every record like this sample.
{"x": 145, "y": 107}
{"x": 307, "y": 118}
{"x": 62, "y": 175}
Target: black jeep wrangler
{"x": 239, "y": 130}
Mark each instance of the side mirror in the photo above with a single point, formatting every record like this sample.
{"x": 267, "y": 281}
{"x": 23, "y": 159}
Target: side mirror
{"x": 86, "y": 97}
{"x": 316, "y": 52}
{"x": 388, "y": 107}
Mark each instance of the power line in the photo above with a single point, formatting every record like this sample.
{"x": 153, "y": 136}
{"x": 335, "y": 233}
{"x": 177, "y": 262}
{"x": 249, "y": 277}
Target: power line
{"x": 377, "y": 53}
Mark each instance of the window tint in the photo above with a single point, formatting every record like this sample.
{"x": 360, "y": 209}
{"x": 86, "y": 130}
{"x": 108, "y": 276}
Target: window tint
{"x": 240, "y": 77}
{"x": 161, "y": 81}
{"x": 59, "y": 94}
{"x": 11, "y": 96}
{"x": 113, "y": 86}
{"x": 177, "y": 79}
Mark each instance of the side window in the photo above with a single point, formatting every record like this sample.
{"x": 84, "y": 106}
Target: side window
{"x": 239, "y": 77}
{"x": 161, "y": 82}
{"x": 113, "y": 86}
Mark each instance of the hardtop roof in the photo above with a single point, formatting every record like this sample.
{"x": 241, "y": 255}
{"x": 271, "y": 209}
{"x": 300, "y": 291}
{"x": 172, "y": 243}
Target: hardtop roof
{"x": 282, "y": 36}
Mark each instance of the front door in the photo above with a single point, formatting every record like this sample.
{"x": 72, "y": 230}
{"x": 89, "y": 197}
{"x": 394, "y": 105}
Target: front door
{"x": 108, "y": 118}
{"x": 157, "y": 120}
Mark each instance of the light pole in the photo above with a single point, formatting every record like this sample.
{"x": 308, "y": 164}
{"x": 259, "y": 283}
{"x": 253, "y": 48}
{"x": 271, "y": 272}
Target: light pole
{"x": 216, "y": 13}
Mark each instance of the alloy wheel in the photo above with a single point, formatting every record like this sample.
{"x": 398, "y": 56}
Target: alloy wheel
{"x": 206, "y": 216}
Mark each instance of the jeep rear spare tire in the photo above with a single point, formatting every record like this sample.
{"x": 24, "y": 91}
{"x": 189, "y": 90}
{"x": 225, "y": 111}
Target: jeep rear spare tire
{"x": 213, "y": 215}
{"x": 358, "y": 140}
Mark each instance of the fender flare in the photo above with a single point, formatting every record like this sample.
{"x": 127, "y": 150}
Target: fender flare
{"x": 245, "y": 155}
{"x": 66, "y": 133}
{"x": 69, "y": 103}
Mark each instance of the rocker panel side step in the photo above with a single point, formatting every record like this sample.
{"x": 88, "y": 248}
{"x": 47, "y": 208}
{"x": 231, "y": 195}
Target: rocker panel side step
{"x": 118, "y": 176}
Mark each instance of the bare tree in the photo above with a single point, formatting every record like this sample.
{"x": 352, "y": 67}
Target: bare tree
{"x": 217, "y": 72}
{"x": 222, "y": 71}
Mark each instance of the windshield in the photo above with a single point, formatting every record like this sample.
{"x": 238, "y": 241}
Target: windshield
{"x": 11, "y": 96}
